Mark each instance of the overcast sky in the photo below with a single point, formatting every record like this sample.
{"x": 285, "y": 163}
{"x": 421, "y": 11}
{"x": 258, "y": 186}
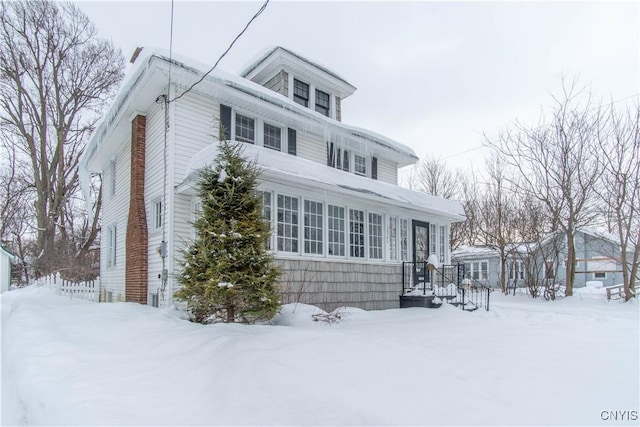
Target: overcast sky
{"x": 432, "y": 75}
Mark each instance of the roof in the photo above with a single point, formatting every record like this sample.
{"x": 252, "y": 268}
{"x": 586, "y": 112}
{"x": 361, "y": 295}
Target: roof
{"x": 277, "y": 54}
{"x": 489, "y": 251}
{"x": 12, "y": 257}
{"x": 186, "y": 71}
{"x": 278, "y": 165}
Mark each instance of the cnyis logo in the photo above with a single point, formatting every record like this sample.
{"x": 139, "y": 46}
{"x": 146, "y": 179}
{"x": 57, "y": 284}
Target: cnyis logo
{"x": 618, "y": 415}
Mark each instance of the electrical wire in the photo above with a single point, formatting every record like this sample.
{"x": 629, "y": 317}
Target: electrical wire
{"x": 258, "y": 13}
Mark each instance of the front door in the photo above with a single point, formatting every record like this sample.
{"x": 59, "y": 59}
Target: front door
{"x": 420, "y": 250}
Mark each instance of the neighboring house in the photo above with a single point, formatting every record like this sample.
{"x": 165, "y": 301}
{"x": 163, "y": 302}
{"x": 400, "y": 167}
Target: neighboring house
{"x": 341, "y": 224}
{"x": 7, "y": 259}
{"x": 597, "y": 259}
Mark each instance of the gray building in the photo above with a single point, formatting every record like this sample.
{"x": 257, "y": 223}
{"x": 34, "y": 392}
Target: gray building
{"x": 597, "y": 259}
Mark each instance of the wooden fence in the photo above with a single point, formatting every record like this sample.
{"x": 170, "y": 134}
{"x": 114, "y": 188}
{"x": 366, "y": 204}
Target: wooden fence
{"x": 89, "y": 290}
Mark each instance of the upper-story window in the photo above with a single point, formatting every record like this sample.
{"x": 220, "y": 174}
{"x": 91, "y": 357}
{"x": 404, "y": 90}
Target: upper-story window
{"x": 272, "y": 137}
{"x": 245, "y": 129}
{"x": 360, "y": 165}
{"x": 337, "y": 157}
{"x": 301, "y": 92}
{"x": 322, "y": 102}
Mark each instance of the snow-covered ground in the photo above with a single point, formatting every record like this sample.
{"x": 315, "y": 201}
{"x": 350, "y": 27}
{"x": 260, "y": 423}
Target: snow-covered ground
{"x": 525, "y": 362}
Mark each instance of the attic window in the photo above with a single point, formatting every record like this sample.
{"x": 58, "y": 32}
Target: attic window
{"x": 322, "y": 102}
{"x": 301, "y": 92}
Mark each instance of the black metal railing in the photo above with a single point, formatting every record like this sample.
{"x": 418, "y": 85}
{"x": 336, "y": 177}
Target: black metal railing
{"x": 447, "y": 282}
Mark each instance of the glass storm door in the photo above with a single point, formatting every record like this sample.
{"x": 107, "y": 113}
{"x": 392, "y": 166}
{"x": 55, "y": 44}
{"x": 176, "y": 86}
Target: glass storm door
{"x": 420, "y": 250}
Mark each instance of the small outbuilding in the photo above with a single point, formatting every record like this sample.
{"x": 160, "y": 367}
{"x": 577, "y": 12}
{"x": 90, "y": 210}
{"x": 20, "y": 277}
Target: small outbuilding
{"x": 7, "y": 259}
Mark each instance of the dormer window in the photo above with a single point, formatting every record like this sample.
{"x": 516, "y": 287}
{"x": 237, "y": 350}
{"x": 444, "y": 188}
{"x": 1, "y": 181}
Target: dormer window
{"x": 322, "y": 102}
{"x": 301, "y": 92}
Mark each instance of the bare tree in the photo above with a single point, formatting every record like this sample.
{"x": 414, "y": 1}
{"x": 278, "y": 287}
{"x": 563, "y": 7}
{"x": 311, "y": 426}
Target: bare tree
{"x": 557, "y": 165}
{"x": 55, "y": 75}
{"x": 433, "y": 177}
{"x": 620, "y": 187}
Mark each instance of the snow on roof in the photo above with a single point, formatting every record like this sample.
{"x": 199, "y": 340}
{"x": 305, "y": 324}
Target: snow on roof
{"x": 299, "y": 170}
{"x": 13, "y": 258}
{"x": 264, "y": 54}
{"x": 489, "y": 251}
{"x": 262, "y": 92}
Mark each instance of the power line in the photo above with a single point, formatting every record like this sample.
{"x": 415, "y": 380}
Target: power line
{"x": 264, "y": 6}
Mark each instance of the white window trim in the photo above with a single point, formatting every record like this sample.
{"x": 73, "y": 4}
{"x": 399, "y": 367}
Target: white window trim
{"x": 154, "y": 214}
{"x": 112, "y": 176}
{"x": 324, "y": 234}
{"x": 112, "y": 246}
{"x": 345, "y": 235}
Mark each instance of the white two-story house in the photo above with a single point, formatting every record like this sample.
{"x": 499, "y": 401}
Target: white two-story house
{"x": 341, "y": 224}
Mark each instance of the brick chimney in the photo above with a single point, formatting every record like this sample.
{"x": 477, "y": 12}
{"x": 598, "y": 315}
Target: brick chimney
{"x": 137, "y": 242}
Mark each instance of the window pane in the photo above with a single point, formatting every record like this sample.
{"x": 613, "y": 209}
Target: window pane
{"x": 360, "y": 165}
{"x": 322, "y": 102}
{"x": 301, "y": 92}
{"x": 404, "y": 240}
{"x": 356, "y": 233}
{"x": 442, "y": 236}
{"x": 393, "y": 238}
{"x": 313, "y": 227}
{"x": 272, "y": 137}
{"x": 245, "y": 130}
{"x": 336, "y": 230}
{"x": 375, "y": 236}
{"x": 287, "y": 224}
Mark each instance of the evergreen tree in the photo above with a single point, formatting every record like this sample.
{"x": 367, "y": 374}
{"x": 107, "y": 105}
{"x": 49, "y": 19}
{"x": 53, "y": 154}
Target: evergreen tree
{"x": 228, "y": 275}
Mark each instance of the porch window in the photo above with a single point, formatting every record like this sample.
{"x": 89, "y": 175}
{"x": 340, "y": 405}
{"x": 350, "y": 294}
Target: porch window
{"x": 393, "y": 238}
{"x": 600, "y": 275}
{"x": 313, "y": 230}
{"x": 245, "y": 129}
{"x": 272, "y": 137}
{"x": 433, "y": 239}
{"x": 196, "y": 211}
{"x": 356, "y": 233}
{"x": 443, "y": 246}
{"x": 287, "y": 224}
{"x": 404, "y": 239}
{"x": 266, "y": 215}
{"x": 375, "y": 236}
{"x": 336, "y": 230}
